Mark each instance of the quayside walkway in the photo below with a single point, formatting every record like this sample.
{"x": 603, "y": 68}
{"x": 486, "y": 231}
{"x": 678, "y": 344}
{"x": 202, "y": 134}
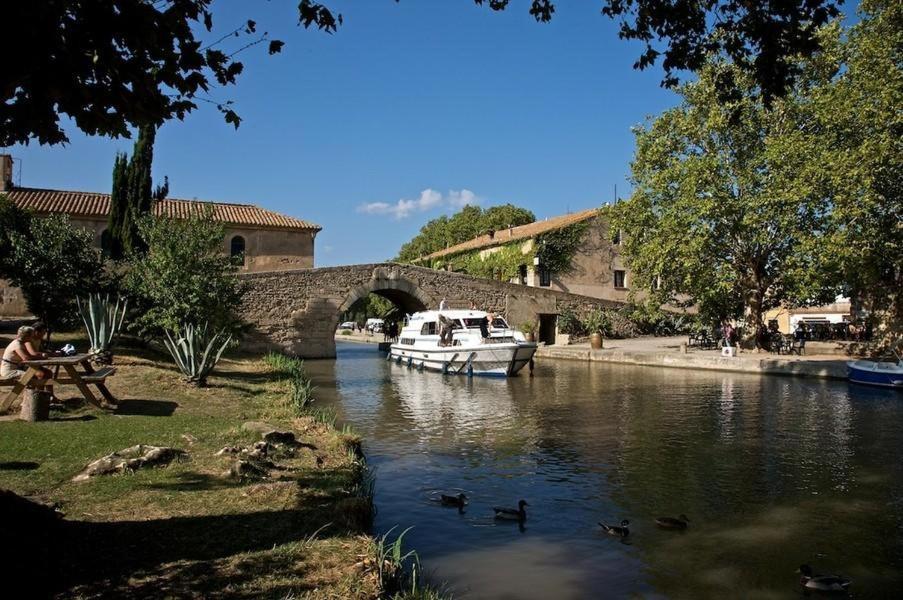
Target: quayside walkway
{"x": 666, "y": 352}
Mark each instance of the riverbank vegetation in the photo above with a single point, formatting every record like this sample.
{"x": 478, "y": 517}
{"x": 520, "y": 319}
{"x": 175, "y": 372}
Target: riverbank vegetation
{"x": 192, "y": 528}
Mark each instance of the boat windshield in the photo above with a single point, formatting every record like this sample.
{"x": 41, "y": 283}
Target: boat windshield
{"x": 497, "y": 323}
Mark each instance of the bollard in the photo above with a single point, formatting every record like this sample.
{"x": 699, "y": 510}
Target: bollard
{"x": 35, "y": 405}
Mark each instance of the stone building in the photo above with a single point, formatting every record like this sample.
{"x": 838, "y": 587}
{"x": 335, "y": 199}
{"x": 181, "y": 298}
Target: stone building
{"x": 595, "y": 268}
{"x": 264, "y": 240}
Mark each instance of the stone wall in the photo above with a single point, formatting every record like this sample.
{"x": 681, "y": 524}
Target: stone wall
{"x": 297, "y": 311}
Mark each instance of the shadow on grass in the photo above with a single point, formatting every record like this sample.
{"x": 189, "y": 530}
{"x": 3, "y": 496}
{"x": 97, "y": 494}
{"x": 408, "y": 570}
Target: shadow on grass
{"x": 192, "y": 482}
{"x": 73, "y": 418}
{"x": 19, "y": 465}
{"x": 148, "y": 408}
{"x": 255, "y": 377}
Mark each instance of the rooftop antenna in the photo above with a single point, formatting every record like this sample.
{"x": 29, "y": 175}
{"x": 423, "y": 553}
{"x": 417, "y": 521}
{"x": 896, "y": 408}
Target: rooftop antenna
{"x": 616, "y": 193}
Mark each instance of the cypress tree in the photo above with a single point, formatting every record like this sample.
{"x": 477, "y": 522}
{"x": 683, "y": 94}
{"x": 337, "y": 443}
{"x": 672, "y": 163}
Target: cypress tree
{"x": 132, "y": 197}
{"x": 119, "y": 211}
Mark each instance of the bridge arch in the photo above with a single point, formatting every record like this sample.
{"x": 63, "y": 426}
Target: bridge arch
{"x": 402, "y": 292}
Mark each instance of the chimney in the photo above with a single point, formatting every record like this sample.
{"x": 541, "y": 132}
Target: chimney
{"x": 6, "y": 172}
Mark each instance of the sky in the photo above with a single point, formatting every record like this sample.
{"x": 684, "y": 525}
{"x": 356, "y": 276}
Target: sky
{"x": 410, "y": 111}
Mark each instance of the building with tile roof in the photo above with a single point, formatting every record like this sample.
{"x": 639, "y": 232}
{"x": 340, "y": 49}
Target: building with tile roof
{"x": 264, "y": 240}
{"x": 595, "y": 269}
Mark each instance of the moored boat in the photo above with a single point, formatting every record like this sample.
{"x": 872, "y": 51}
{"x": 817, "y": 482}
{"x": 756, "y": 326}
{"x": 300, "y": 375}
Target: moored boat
{"x": 474, "y": 343}
{"x": 870, "y": 372}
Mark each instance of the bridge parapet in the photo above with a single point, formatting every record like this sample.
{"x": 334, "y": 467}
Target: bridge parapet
{"x": 297, "y": 311}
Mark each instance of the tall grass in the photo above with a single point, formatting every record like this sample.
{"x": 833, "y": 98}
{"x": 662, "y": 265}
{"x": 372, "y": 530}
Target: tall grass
{"x": 400, "y": 572}
{"x": 301, "y": 390}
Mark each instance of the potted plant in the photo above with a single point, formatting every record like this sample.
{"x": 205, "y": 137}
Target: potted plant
{"x": 528, "y": 328}
{"x": 595, "y": 323}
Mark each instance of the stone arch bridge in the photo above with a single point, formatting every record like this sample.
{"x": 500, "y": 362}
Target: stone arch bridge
{"x": 297, "y": 311}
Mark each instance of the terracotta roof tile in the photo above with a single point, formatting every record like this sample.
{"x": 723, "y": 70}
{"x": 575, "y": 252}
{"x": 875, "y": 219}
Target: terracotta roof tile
{"x": 521, "y": 232}
{"x": 90, "y": 204}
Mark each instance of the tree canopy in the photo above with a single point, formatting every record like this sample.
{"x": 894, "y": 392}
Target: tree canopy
{"x": 121, "y": 64}
{"x": 740, "y": 206}
{"x": 728, "y": 212}
{"x": 468, "y": 223}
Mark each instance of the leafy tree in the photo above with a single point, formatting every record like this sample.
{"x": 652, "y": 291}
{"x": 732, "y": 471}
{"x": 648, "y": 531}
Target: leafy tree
{"x": 728, "y": 211}
{"x": 53, "y": 262}
{"x": 468, "y": 223}
{"x": 13, "y": 221}
{"x": 118, "y": 64}
{"x": 185, "y": 277}
{"x": 860, "y": 124}
{"x": 131, "y": 197}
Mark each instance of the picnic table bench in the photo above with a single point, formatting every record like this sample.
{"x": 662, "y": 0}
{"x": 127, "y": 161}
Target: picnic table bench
{"x": 80, "y": 378}
{"x": 701, "y": 340}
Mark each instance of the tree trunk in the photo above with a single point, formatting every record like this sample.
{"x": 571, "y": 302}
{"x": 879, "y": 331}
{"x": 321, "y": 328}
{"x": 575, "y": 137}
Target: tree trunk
{"x": 752, "y": 333}
{"x": 35, "y": 405}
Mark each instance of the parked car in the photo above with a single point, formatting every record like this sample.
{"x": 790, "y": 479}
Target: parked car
{"x": 374, "y": 325}
{"x": 347, "y": 325}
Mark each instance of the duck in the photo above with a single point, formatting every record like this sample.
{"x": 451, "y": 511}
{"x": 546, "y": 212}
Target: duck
{"x": 823, "y": 583}
{"x": 621, "y": 531}
{"x": 460, "y": 500}
{"x": 680, "y": 522}
{"x": 511, "y": 514}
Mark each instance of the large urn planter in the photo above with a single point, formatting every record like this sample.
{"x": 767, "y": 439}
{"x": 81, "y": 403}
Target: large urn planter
{"x": 529, "y": 336}
{"x": 595, "y": 341}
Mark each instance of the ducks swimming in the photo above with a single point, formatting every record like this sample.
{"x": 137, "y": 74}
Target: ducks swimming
{"x": 680, "y": 522}
{"x": 460, "y": 500}
{"x": 621, "y": 531}
{"x": 823, "y": 583}
{"x": 511, "y": 514}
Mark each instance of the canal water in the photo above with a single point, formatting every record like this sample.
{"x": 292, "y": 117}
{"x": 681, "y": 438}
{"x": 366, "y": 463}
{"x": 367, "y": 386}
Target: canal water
{"x": 772, "y": 472}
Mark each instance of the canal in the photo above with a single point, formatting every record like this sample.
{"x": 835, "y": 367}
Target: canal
{"x": 772, "y": 472}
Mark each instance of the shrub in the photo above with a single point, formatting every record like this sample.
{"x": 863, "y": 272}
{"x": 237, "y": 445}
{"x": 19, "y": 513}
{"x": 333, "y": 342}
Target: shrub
{"x": 184, "y": 277}
{"x": 102, "y": 320}
{"x": 301, "y": 392}
{"x": 570, "y": 324}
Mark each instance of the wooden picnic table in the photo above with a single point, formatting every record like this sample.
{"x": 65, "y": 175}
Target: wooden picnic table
{"x": 79, "y": 378}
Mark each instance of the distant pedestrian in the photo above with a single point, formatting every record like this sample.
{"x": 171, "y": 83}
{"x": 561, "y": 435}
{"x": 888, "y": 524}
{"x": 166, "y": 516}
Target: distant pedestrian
{"x": 727, "y": 331}
{"x": 473, "y": 305}
{"x": 443, "y": 305}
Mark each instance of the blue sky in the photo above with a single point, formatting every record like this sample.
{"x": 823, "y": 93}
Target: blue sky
{"x": 409, "y": 111}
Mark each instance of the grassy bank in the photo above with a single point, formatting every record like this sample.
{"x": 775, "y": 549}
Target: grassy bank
{"x": 190, "y": 529}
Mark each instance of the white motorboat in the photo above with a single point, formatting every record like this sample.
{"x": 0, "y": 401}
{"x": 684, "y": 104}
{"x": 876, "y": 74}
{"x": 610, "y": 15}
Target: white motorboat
{"x": 475, "y": 343}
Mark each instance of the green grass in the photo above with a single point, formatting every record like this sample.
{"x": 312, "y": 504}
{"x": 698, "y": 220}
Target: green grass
{"x": 188, "y": 529}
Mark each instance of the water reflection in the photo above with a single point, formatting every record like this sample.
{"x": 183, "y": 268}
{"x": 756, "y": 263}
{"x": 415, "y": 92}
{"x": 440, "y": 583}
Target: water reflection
{"x": 772, "y": 472}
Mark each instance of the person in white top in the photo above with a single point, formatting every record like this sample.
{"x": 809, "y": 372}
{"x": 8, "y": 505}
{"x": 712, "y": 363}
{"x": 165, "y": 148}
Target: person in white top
{"x": 11, "y": 367}
{"x": 443, "y": 305}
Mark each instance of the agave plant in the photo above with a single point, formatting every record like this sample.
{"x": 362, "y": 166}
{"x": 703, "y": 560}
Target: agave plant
{"x": 195, "y": 351}
{"x": 102, "y": 319}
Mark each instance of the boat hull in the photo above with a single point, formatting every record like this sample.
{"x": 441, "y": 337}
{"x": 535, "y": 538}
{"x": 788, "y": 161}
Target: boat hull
{"x": 879, "y": 374}
{"x": 498, "y": 360}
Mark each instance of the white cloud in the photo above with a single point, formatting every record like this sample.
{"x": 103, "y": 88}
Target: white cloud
{"x": 428, "y": 200}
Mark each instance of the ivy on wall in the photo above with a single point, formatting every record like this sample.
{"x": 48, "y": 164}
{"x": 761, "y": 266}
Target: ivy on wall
{"x": 555, "y": 250}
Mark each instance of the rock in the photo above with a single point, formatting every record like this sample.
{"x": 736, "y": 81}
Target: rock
{"x": 248, "y": 469}
{"x": 189, "y": 439}
{"x": 276, "y": 438}
{"x": 131, "y": 459}
{"x": 258, "y": 450}
{"x": 229, "y": 450}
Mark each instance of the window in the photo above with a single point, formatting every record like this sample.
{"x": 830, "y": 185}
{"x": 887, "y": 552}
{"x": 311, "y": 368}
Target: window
{"x": 237, "y": 250}
{"x": 522, "y": 274}
{"x": 106, "y": 243}
{"x": 620, "y": 279}
{"x": 429, "y": 329}
{"x": 545, "y": 277}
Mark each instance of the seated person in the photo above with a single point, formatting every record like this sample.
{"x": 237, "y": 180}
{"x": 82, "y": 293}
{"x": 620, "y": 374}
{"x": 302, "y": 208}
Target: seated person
{"x": 16, "y": 352}
{"x": 35, "y": 347}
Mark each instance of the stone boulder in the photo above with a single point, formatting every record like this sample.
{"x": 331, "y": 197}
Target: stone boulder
{"x": 131, "y": 459}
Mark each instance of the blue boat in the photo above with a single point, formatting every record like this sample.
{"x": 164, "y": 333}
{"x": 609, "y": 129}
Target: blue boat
{"x": 869, "y": 372}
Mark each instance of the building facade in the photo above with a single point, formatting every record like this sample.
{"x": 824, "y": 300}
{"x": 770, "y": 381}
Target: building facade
{"x": 261, "y": 239}
{"x": 594, "y": 267}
